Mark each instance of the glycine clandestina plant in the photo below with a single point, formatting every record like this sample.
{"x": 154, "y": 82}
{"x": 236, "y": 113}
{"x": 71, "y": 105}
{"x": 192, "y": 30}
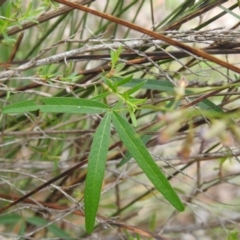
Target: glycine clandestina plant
{"x": 99, "y": 148}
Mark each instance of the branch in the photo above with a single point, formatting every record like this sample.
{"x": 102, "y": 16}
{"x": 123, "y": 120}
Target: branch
{"x": 170, "y": 41}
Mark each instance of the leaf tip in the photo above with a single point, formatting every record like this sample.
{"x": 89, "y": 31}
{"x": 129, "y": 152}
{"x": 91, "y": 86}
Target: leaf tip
{"x": 181, "y": 208}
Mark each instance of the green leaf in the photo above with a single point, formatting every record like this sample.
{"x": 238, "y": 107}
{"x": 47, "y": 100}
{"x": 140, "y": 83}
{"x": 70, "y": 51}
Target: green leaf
{"x": 21, "y": 107}
{"x": 128, "y": 156}
{"x": 110, "y": 83}
{"x": 118, "y": 52}
{"x": 124, "y": 80}
{"x": 115, "y": 56}
{"x": 8, "y": 40}
{"x": 209, "y": 105}
{"x": 133, "y": 118}
{"x": 59, "y": 105}
{"x": 112, "y": 53}
{"x": 22, "y": 228}
{"x": 138, "y": 150}
{"x": 10, "y": 219}
{"x": 96, "y": 168}
{"x": 230, "y": 12}
{"x": 136, "y": 101}
{"x": 58, "y": 232}
{"x": 72, "y": 105}
{"x": 100, "y": 96}
{"x": 72, "y": 77}
{"x": 153, "y": 222}
{"x": 136, "y": 88}
{"x": 233, "y": 235}
{"x": 119, "y": 67}
{"x": 161, "y": 85}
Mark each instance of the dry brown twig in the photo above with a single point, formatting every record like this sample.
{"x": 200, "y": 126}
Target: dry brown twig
{"x": 155, "y": 35}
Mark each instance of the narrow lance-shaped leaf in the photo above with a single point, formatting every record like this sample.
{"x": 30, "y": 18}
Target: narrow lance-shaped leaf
{"x": 72, "y": 105}
{"x": 128, "y": 156}
{"x": 138, "y": 150}
{"x": 58, "y": 105}
{"x": 100, "y": 96}
{"x": 144, "y": 139}
{"x": 136, "y": 88}
{"x": 161, "y": 85}
{"x": 125, "y": 80}
{"x": 37, "y": 221}
{"x": 95, "y": 174}
{"x": 21, "y": 107}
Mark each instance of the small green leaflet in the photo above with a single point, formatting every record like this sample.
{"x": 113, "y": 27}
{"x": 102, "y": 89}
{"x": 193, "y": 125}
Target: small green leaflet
{"x": 136, "y": 88}
{"x": 123, "y": 80}
{"x": 115, "y": 56}
{"x": 138, "y": 150}
{"x": 58, "y": 105}
{"x": 96, "y": 168}
{"x": 100, "y": 96}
